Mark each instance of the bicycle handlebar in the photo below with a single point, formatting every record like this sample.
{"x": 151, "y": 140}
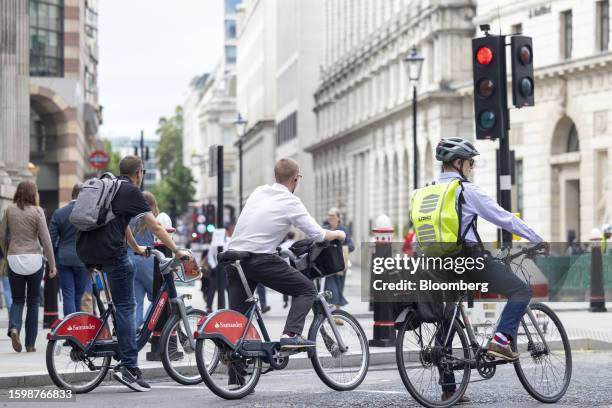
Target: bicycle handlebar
{"x": 531, "y": 251}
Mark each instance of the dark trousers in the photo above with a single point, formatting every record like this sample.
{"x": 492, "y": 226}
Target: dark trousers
{"x": 25, "y": 288}
{"x": 120, "y": 273}
{"x": 261, "y": 293}
{"x": 273, "y": 272}
{"x": 504, "y": 282}
{"x": 73, "y": 281}
{"x": 212, "y": 286}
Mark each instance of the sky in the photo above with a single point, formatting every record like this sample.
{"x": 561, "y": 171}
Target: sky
{"x": 149, "y": 50}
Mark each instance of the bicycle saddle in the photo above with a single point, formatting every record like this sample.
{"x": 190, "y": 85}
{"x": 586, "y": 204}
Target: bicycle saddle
{"x": 233, "y": 256}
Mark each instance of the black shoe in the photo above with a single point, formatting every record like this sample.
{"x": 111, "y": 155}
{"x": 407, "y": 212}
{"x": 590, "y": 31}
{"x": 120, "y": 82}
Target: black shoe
{"x": 295, "y": 342}
{"x": 265, "y": 309}
{"x": 132, "y": 378}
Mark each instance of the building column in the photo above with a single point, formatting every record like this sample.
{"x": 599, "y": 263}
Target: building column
{"x": 14, "y": 95}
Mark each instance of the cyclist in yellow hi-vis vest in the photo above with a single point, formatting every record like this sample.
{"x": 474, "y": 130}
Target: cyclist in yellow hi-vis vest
{"x": 444, "y": 217}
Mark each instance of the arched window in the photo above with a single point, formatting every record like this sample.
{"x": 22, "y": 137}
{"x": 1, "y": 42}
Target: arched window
{"x": 572, "y": 140}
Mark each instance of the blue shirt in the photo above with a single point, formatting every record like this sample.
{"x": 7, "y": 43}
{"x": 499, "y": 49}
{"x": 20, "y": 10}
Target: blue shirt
{"x": 63, "y": 236}
{"x": 477, "y": 202}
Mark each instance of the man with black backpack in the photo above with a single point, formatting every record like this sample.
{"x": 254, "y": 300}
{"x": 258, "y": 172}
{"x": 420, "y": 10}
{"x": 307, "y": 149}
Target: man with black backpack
{"x": 102, "y": 213}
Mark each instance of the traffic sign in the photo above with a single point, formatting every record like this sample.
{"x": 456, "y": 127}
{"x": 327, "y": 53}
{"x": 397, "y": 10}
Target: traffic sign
{"x": 99, "y": 159}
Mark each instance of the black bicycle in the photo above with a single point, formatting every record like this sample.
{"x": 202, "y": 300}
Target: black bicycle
{"x": 436, "y": 356}
{"x": 81, "y": 346}
{"x": 232, "y": 368}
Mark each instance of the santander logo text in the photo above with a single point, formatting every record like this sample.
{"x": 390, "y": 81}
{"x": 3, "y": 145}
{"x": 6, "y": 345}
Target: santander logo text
{"x": 84, "y": 327}
{"x": 221, "y": 325}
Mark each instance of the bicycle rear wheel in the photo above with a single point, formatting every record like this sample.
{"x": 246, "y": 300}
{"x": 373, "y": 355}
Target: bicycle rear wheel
{"x": 426, "y": 368}
{"x": 70, "y": 369}
{"x": 545, "y": 374}
{"x": 341, "y": 371}
{"x": 178, "y": 356}
{"x": 227, "y": 376}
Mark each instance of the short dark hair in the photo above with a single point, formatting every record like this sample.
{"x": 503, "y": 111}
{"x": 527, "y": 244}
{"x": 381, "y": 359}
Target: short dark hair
{"x": 130, "y": 165}
{"x": 76, "y": 189}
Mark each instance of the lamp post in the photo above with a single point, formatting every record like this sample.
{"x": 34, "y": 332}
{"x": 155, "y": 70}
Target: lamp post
{"x": 414, "y": 64}
{"x": 240, "y": 124}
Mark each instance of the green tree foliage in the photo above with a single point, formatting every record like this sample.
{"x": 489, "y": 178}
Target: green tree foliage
{"x": 176, "y": 180}
{"x": 115, "y": 158}
{"x": 169, "y": 152}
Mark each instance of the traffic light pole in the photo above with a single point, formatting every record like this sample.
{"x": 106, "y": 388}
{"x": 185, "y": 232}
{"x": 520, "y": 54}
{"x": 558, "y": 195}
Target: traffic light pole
{"x": 220, "y": 271}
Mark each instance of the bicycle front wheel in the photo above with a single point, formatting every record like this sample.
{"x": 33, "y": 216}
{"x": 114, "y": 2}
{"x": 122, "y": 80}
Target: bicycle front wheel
{"x": 435, "y": 376}
{"x": 178, "y": 348}
{"x": 545, "y": 363}
{"x": 341, "y": 371}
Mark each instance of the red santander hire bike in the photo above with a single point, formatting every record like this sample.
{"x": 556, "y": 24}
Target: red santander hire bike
{"x": 82, "y": 346}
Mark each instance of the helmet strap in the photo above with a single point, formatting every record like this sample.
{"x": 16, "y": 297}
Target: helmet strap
{"x": 460, "y": 169}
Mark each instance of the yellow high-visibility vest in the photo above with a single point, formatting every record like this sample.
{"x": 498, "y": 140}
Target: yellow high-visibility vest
{"x": 434, "y": 214}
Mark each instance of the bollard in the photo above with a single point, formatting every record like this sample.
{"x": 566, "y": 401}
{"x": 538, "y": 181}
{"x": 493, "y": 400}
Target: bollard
{"x": 51, "y": 291}
{"x": 155, "y": 353}
{"x": 384, "y": 323}
{"x": 598, "y": 301}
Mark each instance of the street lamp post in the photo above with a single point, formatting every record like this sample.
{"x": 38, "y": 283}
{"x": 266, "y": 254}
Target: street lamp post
{"x": 240, "y": 125}
{"x": 414, "y": 64}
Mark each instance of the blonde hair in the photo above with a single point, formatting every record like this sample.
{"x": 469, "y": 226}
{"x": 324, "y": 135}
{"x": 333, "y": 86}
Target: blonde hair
{"x": 285, "y": 169}
{"x": 152, "y": 202}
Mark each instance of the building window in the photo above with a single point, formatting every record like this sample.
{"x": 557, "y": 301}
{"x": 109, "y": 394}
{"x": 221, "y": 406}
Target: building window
{"x": 230, "y": 29}
{"x": 286, "y": 129}
{"x": 91, "y": 19}
{"x": 573, "y": 144}
{"x": 227, "y": 179}
{"x": 519, "y": 186}
{"x": 90, "y": 82}
{"x": 47, "y": 38}
{"x": 603, "y": 25}
{"x": 230, "y": 6}
{"x": 230, "y": 54}
{"x": 566, "y": 34}
{"x": 516, "y": 28}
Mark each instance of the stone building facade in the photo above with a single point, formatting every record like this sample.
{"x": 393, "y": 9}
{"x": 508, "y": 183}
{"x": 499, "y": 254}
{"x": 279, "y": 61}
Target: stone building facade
{"x": 362, "y": 156}
{"x": 563, "y": 145}
{"x": 14, "y": 105}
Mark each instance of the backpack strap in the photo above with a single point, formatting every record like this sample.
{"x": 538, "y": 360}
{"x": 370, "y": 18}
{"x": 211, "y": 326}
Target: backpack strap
{"x": 473, "y": 223}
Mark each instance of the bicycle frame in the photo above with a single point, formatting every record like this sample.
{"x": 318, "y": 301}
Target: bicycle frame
{"x": 167, "y": 294}
{"x": 266, "y": 349}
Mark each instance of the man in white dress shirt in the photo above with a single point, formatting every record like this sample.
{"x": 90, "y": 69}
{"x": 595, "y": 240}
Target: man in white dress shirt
{"x": 267, "y": 216}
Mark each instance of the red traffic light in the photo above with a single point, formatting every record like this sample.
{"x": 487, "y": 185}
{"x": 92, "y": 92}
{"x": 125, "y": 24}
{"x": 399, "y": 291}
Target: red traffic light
{"x": 484, "y": 56}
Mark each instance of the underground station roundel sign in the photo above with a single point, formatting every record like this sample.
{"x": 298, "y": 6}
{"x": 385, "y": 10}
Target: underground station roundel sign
{"x": 98, "y": 159}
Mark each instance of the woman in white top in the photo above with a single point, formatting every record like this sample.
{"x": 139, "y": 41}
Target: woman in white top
{"x": 24, "y": 238}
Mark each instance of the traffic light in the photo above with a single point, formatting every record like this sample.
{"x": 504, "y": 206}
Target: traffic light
{"x": 210, "y": 217}
{"x": 522, "y": 71}
{"x": 490, "y": 99}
